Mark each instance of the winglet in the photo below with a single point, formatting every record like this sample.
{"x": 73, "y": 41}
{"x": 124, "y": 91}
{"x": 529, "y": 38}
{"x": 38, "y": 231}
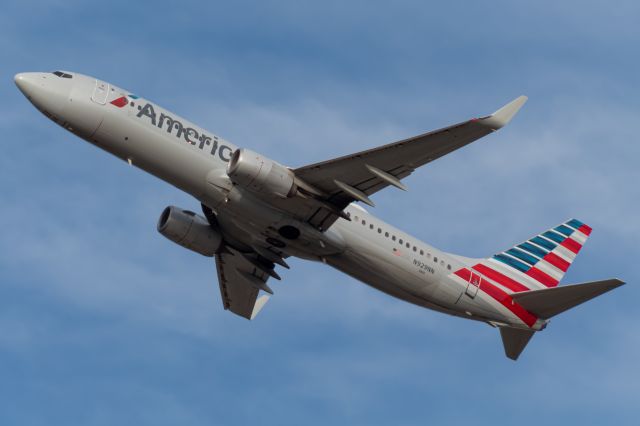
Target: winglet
{"x": 501, "y": 117}
{"x": 262, "y": 300}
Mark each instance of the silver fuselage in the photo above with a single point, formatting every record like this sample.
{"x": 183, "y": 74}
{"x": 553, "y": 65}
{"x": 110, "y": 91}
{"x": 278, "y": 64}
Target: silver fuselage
{"x": 194, "y": 160}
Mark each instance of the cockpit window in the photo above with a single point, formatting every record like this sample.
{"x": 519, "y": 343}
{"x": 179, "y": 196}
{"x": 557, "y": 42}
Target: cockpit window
{"x": 62, "y": 74}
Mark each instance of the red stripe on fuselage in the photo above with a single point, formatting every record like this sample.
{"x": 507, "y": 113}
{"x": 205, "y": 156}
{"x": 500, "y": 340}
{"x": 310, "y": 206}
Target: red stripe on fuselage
{"x": 572, "y": 245}
{"x": 501, "y": 279}
{"x": 540, "y": 276}
{"x": 508, "y": 302}
{"x": 557, "y": 261}
{"x": 502, "y": 297}
{"x": 463, "y": 273}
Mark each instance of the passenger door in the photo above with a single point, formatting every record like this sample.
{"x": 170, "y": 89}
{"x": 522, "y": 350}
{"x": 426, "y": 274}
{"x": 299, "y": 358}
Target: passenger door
{"x": 100, "y": 92}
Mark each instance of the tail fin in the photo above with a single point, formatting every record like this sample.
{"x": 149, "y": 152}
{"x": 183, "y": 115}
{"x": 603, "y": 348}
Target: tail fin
{"x": 539, "y": 262}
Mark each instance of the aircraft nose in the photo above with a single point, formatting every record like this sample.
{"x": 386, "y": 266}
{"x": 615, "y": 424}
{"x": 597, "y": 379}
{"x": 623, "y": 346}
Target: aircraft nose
{"x": 26, "y": 82}
{"x": 46, "y": 91}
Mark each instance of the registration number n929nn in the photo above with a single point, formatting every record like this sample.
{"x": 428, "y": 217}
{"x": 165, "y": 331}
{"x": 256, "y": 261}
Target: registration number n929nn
{"x": 423, "y": 267}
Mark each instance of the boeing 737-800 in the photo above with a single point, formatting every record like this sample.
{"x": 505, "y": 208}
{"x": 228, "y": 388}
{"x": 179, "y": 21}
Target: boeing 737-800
{"x": 257, "y": 212}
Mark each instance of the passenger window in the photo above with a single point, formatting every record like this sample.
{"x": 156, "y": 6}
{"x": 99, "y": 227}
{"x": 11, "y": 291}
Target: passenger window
{"x": 414, "y": 248}
{"x": 400, "y": 240}
{"x": 364, "y": 222}
{"x": 379, "y": 231}
{"x": 393, "y": 237}
{"x": 421, "y": 252}
{"x": 408, "y": 245}
{"x": 371, "y": 226}
{"x": 435, "y": 259}
{"x": 449, "y": 267}
{"x": 386, "y": 234}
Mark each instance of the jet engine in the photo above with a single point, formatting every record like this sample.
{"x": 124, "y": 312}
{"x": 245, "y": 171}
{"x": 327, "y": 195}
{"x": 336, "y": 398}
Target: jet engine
{"x": 260, "y": 174}
{"x": 190, "y": 230}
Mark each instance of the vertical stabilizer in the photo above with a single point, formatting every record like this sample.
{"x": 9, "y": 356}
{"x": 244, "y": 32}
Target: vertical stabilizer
{"x": 539, "y": 262}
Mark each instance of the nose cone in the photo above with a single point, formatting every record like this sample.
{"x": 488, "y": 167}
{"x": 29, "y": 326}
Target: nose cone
{"x": 27, "y": 82}
{"x": 46, "y": 91}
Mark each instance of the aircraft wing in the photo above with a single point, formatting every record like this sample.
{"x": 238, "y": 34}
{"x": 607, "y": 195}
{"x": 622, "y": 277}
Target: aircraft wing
{"x": 240, "y": 283}
{"x": 354, "y": 177}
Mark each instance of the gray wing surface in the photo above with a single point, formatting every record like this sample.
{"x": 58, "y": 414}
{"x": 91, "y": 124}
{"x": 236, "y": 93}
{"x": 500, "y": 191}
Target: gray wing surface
{"x": 392, "y": 162}
{"x": 240, "y": 284}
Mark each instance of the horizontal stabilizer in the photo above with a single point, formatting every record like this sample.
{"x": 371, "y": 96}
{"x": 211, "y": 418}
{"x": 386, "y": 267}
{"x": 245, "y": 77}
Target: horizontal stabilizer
{"x": 515, "y": 340}
{"x": 549, "y": 302}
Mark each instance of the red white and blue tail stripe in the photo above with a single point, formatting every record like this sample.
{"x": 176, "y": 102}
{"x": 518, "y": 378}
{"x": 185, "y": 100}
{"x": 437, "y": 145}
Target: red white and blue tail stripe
{"x": 538, "y": 263}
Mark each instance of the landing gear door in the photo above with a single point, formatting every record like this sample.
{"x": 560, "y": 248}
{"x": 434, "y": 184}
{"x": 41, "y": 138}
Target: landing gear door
{"x": 473, "y": 285}
{"x": 100, "y": 92}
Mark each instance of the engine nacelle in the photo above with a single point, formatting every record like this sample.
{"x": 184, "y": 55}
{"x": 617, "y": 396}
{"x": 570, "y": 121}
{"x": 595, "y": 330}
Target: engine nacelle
{"x": 260, "y": 174}
{"x": 190, "y": 230}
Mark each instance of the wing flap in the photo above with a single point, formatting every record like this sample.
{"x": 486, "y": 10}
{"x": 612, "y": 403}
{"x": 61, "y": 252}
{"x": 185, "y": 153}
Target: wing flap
{"x": 240, "y": 284}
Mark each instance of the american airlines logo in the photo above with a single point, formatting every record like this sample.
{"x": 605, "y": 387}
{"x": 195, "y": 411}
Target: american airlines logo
{"x": 176, "y": 128}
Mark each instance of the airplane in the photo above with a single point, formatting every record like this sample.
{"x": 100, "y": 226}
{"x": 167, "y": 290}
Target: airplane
{"x": 257, "y": 212}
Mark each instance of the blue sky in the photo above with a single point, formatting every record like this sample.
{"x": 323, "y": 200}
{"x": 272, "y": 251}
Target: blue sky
{"x": 103, "y": 321}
